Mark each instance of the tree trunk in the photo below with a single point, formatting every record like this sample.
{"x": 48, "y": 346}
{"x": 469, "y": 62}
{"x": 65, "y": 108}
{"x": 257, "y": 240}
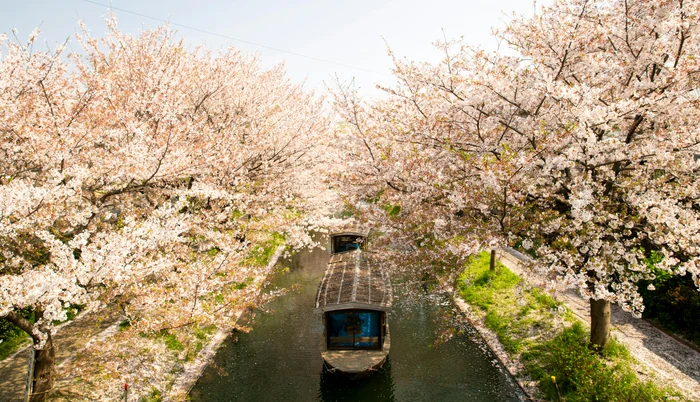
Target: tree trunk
{"x": 600, "y": 323}
{"x": 492, "y": 266}
{"x": 44, "y": 378}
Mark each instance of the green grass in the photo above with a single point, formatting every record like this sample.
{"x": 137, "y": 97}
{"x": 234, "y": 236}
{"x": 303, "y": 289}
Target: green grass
{"x": 13, "y": 343}
{"x": 516, "y": 315}
{"x": 260, "y": 255}
{"x": 583, "y": 375}
{"x": 201, "y": 334}
{"x": 154, "y": 396}
{"x": 171, "y": 341}
{"x": 524, "y": 320}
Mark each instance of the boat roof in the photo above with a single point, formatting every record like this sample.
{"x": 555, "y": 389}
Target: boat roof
{"x": 351, "y": 282}
{"x": 350, "y": 230}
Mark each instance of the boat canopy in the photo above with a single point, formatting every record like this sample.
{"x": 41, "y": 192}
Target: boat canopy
{"x": 352, "y": 283}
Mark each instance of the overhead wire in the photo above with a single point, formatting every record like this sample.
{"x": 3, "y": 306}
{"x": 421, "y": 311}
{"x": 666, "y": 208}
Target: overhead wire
{"x": 109, "y": 6}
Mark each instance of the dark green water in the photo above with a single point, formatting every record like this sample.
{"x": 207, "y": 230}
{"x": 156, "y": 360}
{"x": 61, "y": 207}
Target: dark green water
{"x": 280, "y": 359}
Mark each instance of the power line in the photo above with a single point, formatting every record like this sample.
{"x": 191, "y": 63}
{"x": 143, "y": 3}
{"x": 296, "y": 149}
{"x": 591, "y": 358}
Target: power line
{"x": 237, "y": 39}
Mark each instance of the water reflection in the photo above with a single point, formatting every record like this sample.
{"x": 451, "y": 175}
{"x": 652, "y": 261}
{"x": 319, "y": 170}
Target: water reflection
{"x": 378, "y": 387}
{"x": 280, "y": 359}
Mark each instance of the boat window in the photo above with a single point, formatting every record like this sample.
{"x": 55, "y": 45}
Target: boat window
{"x": 347, "y": 243}
{"x": 353, "y": 330}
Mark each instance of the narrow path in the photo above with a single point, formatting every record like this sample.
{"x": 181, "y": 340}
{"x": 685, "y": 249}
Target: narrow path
{"x": 68, "y": 340}
{"x": 668, "y": 360}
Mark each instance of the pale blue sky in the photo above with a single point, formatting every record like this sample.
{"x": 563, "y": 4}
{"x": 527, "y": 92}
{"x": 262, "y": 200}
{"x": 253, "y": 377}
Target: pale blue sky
{"x": 345, "y": 32}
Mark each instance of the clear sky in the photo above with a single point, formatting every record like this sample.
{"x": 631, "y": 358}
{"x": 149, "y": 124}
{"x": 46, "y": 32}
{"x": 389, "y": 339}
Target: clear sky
{"x": 348, "y": 33}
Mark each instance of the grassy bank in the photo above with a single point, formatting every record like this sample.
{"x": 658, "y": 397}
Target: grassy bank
{"x": 550, "y": 342}
{"x": 174, "y": 356}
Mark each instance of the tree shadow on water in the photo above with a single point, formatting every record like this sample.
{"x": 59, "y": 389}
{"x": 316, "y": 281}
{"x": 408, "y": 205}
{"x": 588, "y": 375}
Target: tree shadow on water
{"x": 378, "y": 387}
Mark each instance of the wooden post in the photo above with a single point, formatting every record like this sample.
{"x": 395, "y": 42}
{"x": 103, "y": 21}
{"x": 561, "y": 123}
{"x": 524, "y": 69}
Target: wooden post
{"x": 29, "y": 388}
{"x": 492, "y": 266}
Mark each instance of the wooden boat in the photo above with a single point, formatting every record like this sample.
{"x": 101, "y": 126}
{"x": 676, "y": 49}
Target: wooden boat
{"x": 354, "y": 298}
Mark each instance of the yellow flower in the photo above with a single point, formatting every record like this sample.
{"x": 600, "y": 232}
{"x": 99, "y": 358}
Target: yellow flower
{"x": 554, "y": 379}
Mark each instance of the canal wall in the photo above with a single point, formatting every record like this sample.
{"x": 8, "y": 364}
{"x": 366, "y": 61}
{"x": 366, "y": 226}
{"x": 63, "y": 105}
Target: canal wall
{"x": 193, "y": 370}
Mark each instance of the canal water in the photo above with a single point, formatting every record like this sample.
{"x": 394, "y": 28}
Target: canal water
{"x": 279, "y": 360}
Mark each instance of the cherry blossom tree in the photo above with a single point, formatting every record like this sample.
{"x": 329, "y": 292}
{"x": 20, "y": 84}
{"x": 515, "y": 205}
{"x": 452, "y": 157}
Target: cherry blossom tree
{"x": 148, "y": 176}
{"x": 614, "y": 172}
{"x": 430, "y": 165}
{"x": 583, "y": 147}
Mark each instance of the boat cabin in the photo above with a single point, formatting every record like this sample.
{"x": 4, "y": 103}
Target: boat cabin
{"x": 355, "y": 329}
{"x": 347, "y": 241}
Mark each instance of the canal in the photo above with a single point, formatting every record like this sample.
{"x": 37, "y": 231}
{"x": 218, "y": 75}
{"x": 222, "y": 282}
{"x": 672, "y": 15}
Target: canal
{"x": 279, "y": 360}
